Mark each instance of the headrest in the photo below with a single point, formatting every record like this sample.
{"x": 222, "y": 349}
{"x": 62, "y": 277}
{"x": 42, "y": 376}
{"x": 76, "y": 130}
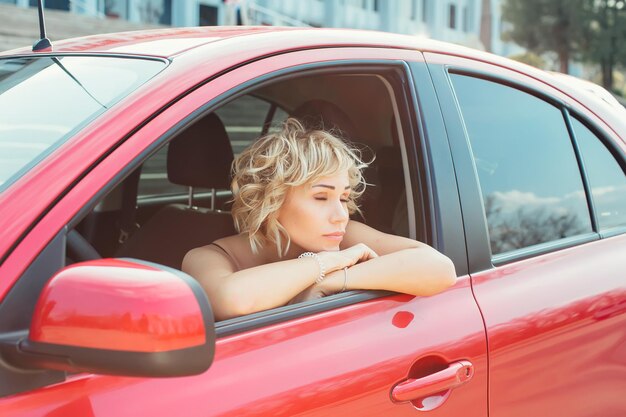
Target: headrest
{"x": 324, "y": 115}
{"x": 201, "y": 156}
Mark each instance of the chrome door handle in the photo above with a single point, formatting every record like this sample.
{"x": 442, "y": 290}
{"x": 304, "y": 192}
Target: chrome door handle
{"x": 455, "y": 375}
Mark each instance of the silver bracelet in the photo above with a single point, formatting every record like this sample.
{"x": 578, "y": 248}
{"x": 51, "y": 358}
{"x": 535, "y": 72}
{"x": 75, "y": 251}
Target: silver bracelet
{"x": 345, "y": 279}
{"x": 319, "y": 262}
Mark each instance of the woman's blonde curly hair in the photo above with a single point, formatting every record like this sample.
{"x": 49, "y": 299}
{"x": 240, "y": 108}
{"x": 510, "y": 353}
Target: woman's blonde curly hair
{"x": 265, "y": 171}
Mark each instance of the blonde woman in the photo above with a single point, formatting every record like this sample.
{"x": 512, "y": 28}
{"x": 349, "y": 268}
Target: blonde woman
{"x": 293, "y": 194}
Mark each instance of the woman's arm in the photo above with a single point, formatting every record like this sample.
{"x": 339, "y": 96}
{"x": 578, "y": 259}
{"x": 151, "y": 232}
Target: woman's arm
{"x": 404, "y": 265}
{"x": 407, "y": 266}
{"x": 234, "y": 294}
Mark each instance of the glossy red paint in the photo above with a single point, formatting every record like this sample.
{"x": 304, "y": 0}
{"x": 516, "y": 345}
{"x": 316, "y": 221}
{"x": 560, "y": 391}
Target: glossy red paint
{"x": 564, "y": 349}
{"x": 344, "y": 361}
{"x": 555, "y": 322}
{"x": 352, "y": 368}
{"x": 118, "y": 305}
{"x": 337, "y": 363}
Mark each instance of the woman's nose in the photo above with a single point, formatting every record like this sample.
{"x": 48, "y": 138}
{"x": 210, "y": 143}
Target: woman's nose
{"x": 339, "y": 213}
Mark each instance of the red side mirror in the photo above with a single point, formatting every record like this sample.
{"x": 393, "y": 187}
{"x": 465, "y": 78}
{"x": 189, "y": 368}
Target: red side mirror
{"x": 121, "y": 317}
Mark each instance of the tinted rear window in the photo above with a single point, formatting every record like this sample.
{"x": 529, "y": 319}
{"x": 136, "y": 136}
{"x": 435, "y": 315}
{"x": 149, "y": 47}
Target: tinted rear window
{"x": 532, "y": 188}
{"x": 45, "y": 100}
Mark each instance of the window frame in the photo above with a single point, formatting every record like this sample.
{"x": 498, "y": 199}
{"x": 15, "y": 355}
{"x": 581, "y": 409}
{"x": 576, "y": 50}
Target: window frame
{"x": 615, "y": 152}
{"x": 289, "y": 312}
{"x": 553, "y": 245}
{"x": 403, "y": 94}
{"x": 480, "y": 257}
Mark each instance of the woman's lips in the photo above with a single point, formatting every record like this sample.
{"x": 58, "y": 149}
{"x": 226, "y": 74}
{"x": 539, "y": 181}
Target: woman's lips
{"x": 335, "y": 236}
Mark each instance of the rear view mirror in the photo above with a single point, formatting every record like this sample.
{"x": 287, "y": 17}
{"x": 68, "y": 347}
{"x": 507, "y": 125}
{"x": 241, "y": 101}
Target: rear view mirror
{"x": 122, "y": 317}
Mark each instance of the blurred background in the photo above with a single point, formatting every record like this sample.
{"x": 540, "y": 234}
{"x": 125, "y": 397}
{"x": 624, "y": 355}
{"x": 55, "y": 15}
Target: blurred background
{"x": 584, "y": 38}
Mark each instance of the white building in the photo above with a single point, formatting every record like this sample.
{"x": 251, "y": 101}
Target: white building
{"x": 457, "y": 21}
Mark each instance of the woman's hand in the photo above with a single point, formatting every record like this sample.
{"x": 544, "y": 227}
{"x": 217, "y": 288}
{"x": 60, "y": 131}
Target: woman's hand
{"x": 337, "y": 260}
{"x": 334, "y": 263}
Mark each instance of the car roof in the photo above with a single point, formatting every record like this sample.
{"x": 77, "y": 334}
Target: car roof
{"x": 170, "y": 42}
{"x": 163, "y": 43}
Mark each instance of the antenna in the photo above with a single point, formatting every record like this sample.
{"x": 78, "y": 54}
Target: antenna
{"x": 43, "y": 43}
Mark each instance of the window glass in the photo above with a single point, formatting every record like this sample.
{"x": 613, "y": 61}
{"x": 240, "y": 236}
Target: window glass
{"x": 153, "y": 180}
{"x": 529, "y": 177}
{"x": 44, "y": 101}
{"x": 606, "y": 178}
{"x": 243, "y": 119}
{"x": 279, "y": 117}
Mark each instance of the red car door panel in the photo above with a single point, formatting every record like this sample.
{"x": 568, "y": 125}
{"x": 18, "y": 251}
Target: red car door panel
{"x": 554, "y": 311}
{"x": 343, "y": 361}
{"x": 556, "y": 333}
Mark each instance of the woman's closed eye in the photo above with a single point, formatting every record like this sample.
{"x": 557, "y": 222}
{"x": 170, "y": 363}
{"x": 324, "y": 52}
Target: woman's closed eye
{"x": 344, "y": 199}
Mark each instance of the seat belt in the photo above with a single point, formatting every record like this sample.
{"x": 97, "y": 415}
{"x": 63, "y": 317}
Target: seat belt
{"x": 129, "y": 206}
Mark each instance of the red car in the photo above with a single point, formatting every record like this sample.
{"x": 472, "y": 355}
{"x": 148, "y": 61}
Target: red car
{"x": 114, "y": 161}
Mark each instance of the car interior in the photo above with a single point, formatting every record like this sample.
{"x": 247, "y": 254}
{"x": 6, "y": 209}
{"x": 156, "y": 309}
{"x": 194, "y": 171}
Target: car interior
{"x": 178, "y": 199}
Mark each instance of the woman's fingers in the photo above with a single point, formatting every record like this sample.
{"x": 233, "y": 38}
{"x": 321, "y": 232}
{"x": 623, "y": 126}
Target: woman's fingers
{"x": 366, "y": 252}
{"x": 360, "y": 253}
{"x": 347, "y": 257}
{"x": 369, "y": 250}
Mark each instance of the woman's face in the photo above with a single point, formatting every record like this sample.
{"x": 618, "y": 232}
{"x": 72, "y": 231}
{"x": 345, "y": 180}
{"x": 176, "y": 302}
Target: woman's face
{"x": 315, "y": 215}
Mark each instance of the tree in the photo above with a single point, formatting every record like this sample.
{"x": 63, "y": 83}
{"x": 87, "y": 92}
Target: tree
{"x": 605, "y": 36}
{"x": 547, "y": 26}
{"x": 590, "y": 30}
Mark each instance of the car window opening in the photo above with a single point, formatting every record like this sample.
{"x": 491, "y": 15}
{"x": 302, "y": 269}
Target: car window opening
{"x": 179, "y": 198}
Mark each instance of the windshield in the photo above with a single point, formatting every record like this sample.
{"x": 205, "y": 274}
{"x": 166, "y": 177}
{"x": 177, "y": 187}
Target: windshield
{"x": 45, "y": 100}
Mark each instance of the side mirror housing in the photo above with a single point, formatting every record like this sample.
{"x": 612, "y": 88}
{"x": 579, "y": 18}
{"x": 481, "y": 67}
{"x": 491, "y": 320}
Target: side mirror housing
{"x": 123, "y": 317}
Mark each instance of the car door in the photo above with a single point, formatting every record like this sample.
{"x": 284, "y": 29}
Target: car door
{"x": 346, "y": 354}
{"x": 542, "y": 189}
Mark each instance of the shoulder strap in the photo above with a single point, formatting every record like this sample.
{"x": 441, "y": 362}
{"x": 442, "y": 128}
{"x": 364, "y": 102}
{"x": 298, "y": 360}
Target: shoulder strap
{"x": 230, "y": 258}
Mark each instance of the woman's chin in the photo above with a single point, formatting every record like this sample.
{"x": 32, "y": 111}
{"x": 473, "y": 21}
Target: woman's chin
{"x": 321, "y": 247}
